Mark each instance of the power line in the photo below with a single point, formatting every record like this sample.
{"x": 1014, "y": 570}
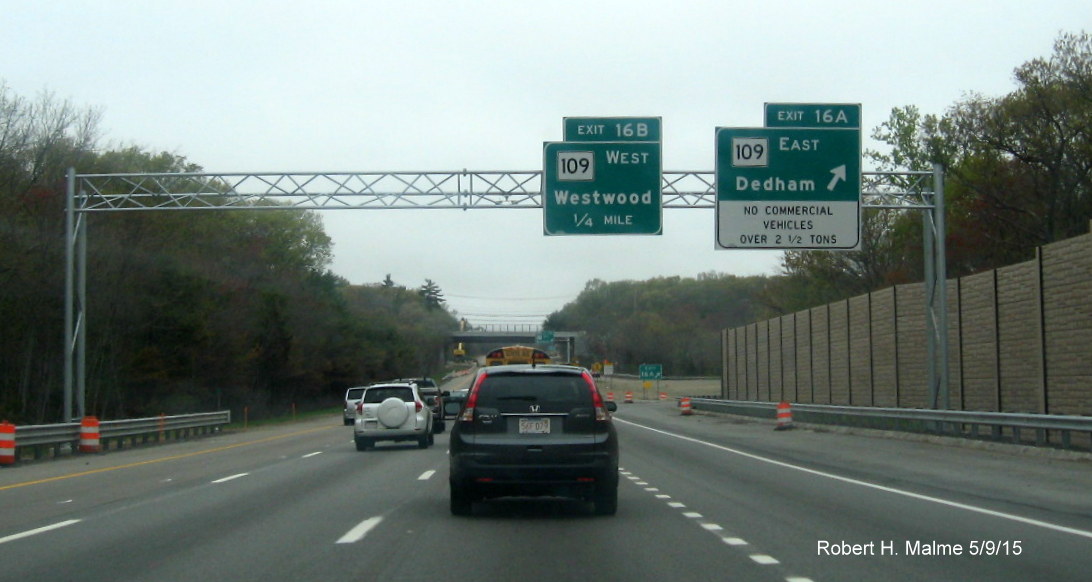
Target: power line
{"x": 554, "y": 298}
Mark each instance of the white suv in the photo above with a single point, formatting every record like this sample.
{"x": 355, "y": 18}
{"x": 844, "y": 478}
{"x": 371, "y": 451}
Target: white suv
{"x": 352, "y": 398}
{"x": 392, "y": 411}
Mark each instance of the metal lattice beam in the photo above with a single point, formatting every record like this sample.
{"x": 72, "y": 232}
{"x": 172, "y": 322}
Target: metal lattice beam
{"x": 405, "y": 190}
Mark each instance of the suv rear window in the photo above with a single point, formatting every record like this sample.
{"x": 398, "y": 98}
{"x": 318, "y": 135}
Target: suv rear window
{"x": 377, "y": 395}
{"x": 552, "y": 392}
{"x": 354, "y": 393}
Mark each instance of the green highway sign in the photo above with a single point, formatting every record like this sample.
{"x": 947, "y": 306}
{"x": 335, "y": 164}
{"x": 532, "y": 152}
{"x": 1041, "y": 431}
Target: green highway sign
{"x": 829, "y": 115}
{"x": 602, "y": 188}
{"x": 788, "y": 188}
{"x": 545, "y": 336}
{"x": 652, "y": 371}
{"x": 612, "y": 129}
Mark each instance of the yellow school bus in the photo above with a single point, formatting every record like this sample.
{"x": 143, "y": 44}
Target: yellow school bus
{"x": 516, "y": 355}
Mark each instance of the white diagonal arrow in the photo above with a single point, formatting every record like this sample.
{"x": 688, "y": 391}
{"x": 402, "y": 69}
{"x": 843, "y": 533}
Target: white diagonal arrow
{"x": 839, "y": 174}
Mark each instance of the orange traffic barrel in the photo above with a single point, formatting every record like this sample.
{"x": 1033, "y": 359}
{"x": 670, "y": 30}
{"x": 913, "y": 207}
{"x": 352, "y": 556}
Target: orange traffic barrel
{"x": 89, "y": 435}
{"x": 7, "y": 443}
{"x": 684, "y": 403}
{"x": 629, "y": 396}
{"x": 784, "y": 416}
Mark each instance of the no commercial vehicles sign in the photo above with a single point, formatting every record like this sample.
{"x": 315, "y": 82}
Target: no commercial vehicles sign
{"x": 788, "y": 188}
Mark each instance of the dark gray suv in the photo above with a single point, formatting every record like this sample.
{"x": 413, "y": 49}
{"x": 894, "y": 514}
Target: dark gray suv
{"x": 433, "y": 398}
{"x": 534, "y": 430}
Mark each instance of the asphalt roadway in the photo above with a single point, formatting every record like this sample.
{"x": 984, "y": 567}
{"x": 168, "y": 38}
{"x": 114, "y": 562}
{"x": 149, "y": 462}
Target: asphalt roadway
{"x": 702, "y": 497}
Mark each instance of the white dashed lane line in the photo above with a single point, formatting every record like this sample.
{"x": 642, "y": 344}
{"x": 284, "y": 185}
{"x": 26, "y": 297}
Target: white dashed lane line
{"x": 35, "y": 532}
{"x": 230, "y": 478}
{"x": 731, "y": 541}
{"x": 357, "y": 533}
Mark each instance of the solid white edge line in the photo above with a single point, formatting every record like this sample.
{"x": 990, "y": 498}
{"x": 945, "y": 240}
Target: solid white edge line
{"x": 34, "y": 532}
{"x": 357, "y": 533}
{"x": 229, "y": 478}
{"x": 937, "y": 500}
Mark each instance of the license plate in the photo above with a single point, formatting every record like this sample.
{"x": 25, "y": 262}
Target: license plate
{"x": 534, "y": 425}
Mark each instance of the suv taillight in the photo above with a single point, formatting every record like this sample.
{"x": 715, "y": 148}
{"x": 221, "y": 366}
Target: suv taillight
{"x": 601, "y": 413}
{"x": 360, "y": 407}
{"x": 418, "y": 405}
{"x": 471, "y": 400}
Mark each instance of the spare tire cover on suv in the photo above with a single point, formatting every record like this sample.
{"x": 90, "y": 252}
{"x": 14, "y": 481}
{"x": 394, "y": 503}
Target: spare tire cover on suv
{"x": 393, "y": 412}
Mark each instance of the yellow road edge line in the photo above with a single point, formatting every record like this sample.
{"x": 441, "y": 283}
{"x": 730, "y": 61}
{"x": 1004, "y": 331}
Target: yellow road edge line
{"x": 160, "y": 460}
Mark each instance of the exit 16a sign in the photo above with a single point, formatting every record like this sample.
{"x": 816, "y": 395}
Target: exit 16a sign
{"x": 826, "y": 115}
{"x": 651, "y": 371}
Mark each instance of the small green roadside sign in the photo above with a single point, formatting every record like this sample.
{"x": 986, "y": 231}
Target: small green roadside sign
{"x": 651, "y": 371}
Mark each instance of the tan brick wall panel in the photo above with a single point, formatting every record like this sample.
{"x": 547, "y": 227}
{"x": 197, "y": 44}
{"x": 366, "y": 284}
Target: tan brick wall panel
{"x": 776, "y": 381}
{"x": 839, "y": 353}
{"x": 860, "y": 351}
{"x": 913, "y": 373}
{"x": 762, "y": 361}
{"x": 805, "y": 375}
{"x": 979, "y": 341}
{"x": 788, "y": 357}
{"x": 885, "y": 374}
{"x": 820, "y": 352}
{"x": 1019, "y": 340}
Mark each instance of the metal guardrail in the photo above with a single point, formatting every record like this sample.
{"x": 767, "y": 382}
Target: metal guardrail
{"x": 1002, "y": 426}
{"x": 52, "y": 438}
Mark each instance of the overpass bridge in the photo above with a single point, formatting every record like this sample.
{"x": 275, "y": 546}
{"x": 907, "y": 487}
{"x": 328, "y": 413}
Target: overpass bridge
{"x": 495, "y": 336}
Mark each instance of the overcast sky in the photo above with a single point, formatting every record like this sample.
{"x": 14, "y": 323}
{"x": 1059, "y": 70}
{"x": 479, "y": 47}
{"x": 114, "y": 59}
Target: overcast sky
{"x": 442, "y": 86}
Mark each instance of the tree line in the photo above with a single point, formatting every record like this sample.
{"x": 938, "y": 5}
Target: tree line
{"x": 674, "y": 321}
{"x": 187, "y": 311}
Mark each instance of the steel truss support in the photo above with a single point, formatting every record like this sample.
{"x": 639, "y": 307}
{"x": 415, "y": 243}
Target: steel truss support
{"x": 456, "y": 190}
